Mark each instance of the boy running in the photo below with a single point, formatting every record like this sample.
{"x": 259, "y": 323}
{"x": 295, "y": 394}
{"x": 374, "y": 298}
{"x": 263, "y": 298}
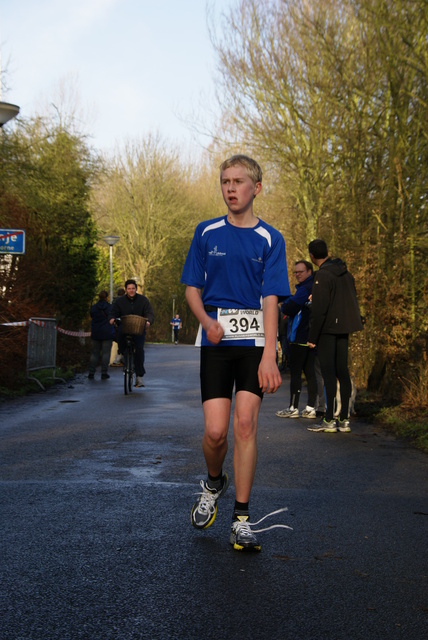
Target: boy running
{"x": 235, "y": 272}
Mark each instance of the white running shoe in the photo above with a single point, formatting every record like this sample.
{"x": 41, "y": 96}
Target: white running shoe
{"x": 344, "y": 426}
{"x": 204, "y": 510}
{"x": 309, "y": 412}
{"x": 324, "y": 425}
{"x": 242, "y": 535}
{"x": 139, "y": 382}
{"x": 288, "y": 413}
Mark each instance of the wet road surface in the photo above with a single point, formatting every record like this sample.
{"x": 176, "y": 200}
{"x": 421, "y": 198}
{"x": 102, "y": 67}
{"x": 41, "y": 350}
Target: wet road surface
{"x": 96, "y": 540}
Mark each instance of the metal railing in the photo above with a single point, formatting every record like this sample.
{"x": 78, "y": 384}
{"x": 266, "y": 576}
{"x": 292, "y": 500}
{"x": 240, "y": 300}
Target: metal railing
{"x": 41, "y": 347}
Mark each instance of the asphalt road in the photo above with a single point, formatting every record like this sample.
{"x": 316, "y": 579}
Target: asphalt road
{"x": 96, "y": 491}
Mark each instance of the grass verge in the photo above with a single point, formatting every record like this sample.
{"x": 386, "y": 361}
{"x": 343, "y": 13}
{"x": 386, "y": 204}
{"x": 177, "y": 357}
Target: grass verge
{"x": 402, "y": 419}
{"x": 23, "y": 386}
{"x": 405, "y": 423}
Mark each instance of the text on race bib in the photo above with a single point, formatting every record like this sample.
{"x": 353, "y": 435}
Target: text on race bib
{"x": 241, "y": 324}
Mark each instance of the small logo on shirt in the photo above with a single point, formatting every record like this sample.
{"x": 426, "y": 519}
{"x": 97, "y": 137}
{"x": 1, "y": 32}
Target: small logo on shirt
{"x": 216, "y": 252}
{"x": 259, "y": 259}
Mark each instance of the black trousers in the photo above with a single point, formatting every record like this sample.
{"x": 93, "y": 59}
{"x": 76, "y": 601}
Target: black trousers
{"x": 139, "y": 352}
{"x": 332, "y": 352}
{"x": 302, "y": 358}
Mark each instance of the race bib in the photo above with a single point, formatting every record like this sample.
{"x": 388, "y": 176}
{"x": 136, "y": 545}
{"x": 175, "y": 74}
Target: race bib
{"x": 241, "y": 324}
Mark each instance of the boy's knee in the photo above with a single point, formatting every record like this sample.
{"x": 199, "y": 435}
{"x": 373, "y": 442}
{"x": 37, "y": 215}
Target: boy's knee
{"x": 245, "y": 428}
{"x": 215, "y": 438}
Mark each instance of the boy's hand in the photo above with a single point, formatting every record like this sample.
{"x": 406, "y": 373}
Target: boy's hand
{"x": 269, "y": 376}
{"x": 214, "y": 331}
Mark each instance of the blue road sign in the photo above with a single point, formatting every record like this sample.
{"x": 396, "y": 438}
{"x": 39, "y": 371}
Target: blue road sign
{"x": 12, "y": 241}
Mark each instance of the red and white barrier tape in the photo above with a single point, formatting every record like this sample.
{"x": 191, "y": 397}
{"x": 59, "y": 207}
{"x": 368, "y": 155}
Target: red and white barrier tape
{"x": 15, "y": 324}
{"x": 77, "y": 334}
{"x": 25, "y": 323}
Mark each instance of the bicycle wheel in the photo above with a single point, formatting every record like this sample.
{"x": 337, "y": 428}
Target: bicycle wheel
{"x": 127, "y": 369}
{"x": 131, "y": 370}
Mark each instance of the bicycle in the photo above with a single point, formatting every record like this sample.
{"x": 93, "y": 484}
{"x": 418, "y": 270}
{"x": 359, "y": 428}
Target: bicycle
{"x": 131, "y": 326}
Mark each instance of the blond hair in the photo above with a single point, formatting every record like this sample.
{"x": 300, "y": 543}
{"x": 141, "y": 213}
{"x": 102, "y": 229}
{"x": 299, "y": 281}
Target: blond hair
{"x": 252, "y": 167}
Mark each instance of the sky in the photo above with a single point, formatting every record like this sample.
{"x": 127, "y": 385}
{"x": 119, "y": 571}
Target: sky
{"x": 138, "y": 66}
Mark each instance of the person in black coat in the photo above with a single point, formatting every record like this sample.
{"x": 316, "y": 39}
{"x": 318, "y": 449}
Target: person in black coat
{"x": 334, "y": 315}
{"x": 133, "y": 303}
{"x": 101, "y": 336}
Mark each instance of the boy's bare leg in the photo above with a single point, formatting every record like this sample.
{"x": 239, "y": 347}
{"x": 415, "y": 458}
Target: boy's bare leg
{"x": 247, "y": 407}
{"x": 214, "y": 442}
{"x": 214, "y": 445}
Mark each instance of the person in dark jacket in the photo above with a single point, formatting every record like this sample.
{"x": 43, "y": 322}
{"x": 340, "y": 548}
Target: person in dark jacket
{"x": 301, "y": 357}
{"x": 133, "y": 303}
{"x": 101, "y": 336}
{"x": 334, "y": 315}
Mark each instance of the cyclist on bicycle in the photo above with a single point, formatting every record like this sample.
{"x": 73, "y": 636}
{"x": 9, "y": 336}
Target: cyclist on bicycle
{"x": 133, "y": 303}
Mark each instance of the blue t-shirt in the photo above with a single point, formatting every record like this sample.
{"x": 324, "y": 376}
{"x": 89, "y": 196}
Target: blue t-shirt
{"x": 236, "y": 267}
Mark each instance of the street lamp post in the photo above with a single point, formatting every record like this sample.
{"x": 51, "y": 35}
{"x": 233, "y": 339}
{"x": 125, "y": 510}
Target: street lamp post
{"x": 174, "y": 295}
{"x": 111, "y": 241}
{"x": 7, "y": 112}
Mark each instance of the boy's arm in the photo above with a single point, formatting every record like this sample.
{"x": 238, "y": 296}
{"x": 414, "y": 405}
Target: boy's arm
{"x": 212, "y": 328}
{"x": 269, "y": 376}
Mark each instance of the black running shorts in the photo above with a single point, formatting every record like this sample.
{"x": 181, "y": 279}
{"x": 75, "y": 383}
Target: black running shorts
{"x": 222, "y": 368}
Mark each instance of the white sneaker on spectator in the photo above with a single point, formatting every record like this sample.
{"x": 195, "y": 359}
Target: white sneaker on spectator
{"x": 328, "y": 426}
{"x": 288, "y": 413}
{"x": 344, "y": 426}
{"x": 309, "y": 412}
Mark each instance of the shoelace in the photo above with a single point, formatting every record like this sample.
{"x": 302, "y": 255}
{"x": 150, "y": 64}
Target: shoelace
{"x": 207, "y": 500}
{"x": 245, "y": 527}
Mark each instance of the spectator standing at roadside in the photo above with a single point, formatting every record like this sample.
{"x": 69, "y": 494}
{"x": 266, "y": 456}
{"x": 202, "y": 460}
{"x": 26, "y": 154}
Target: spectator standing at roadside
{"x": 302, "y": 358}
{"x": 335, "y": 314}
{"x": 133, "y": 303}
{"x": 101, "y": 336}
{"x": 176, "y": 325}
{"x": 120, "y": 292}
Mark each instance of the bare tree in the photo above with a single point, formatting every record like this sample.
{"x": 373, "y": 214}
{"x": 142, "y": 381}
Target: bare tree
{"x": 333, "y": 96}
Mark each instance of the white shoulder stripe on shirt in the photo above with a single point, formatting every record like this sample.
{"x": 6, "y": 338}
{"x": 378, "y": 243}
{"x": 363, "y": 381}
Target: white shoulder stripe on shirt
{"x": 265, "y": 234}
{"x": 215, "y": 225}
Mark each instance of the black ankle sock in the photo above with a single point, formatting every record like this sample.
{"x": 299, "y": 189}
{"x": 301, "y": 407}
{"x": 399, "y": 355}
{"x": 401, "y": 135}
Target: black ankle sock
{"x": 240, "y": 509}
{"x": 215, "y": 482}
{"x": 216, "y": 478}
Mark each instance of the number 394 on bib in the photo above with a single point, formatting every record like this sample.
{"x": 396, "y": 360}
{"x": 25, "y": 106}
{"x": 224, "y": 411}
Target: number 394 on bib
{"x": 242, "y": 324}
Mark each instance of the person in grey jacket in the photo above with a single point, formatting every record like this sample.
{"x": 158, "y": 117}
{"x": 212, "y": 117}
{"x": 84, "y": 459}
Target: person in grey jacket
{"x": 101, "y": 336}
{"x": 334, "y": 315}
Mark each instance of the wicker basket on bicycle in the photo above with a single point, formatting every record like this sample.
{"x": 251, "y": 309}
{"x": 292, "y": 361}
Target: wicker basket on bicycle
{"x": 133, "y": 325}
